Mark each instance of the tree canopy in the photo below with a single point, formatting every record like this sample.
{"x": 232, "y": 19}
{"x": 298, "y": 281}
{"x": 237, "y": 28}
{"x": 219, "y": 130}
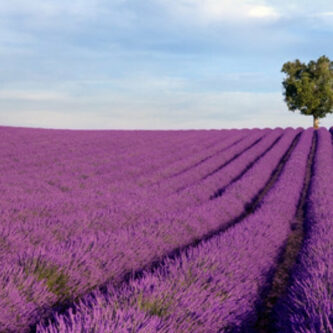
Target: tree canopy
{"x": 309, "y": 87}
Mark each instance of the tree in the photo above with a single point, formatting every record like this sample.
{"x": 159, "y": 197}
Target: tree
{"x": 309, "y": 88}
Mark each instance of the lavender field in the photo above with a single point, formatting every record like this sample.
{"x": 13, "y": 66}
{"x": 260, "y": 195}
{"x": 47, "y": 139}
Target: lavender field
{"x": 166, "y": 231}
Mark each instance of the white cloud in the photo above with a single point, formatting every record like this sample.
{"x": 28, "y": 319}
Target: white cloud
{"x": 223, "y": 10}
{"x": 263, "y": 12}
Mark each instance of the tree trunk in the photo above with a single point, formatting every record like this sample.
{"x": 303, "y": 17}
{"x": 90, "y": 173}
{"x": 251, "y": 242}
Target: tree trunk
{"x": 315, "y": 122}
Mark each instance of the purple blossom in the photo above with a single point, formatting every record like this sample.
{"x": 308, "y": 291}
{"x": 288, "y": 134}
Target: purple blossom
{"x": 216, "y": 285}
{"x": 160, "y": 231}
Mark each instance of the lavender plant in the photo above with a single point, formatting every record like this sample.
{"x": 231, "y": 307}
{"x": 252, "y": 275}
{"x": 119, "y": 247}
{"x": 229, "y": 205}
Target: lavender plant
{"x": 308, "y": 306}
{"x": 84, "y": 209}
{"x": 213, "y": 287}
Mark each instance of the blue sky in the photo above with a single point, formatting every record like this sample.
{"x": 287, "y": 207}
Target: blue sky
{"x": 155, "y": 64}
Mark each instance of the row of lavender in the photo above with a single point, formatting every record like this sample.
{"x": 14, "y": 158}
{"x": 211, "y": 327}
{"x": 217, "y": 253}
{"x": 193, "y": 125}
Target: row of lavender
{"x": 269, "y": 147}
{"x": 308, "y": 304}
{"x": 124, "y": 205}
{"x": 81, "y": 176}
{"x": 35, "y": 242}
{"x": 43, "y": 173}
{"x": 212, "y": 287}
{"x": 200, "y": 192}
{"x": 38, "y": 270}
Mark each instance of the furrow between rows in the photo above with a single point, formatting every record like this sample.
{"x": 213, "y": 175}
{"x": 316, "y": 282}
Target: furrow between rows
{"x": 201, "y": 192}
{"x": 220, "y": 191}
{"x": 194, "y": 175}
{"x": 231, "y": 160}
{"x": 189, "y": 161}
{"x": 307, "y": 303}
{"x": 204, "y": 159}
{"x": 279, "y": 282}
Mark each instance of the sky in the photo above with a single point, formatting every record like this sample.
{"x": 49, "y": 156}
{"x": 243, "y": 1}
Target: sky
{"x": 156, "y": 64}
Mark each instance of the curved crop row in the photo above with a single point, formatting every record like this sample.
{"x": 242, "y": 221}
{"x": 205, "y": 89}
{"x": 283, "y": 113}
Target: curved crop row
{"x": 202, "y": 170}
{"x": 187, "y": 161}
{"x": 74, "y": 175}
{"x": 208, "y": 188}
{"x": 83, "y": 208}
{"x": 59, "y": 214}
{"x": 70, "y": 267}
{"x": 52, "y": 179}
{"x": 70, "y": 161}
{"x": 87, "y": 260}
{"x": 161, "y": 206}
{"x": 308, "y": 304}
{"x": 212, "y": 287}
{"x": 159, "y": 201}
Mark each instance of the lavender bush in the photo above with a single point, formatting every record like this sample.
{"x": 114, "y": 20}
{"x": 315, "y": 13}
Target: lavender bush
{"x": 308, "y": 305}
{"x": 82, "y": 211}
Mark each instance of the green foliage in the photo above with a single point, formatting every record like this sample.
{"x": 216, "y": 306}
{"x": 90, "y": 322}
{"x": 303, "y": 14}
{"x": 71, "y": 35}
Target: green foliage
{"x": 55, "y": 279}
{"x": 155, "y": 306}
{"x": 309, "y": 88}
